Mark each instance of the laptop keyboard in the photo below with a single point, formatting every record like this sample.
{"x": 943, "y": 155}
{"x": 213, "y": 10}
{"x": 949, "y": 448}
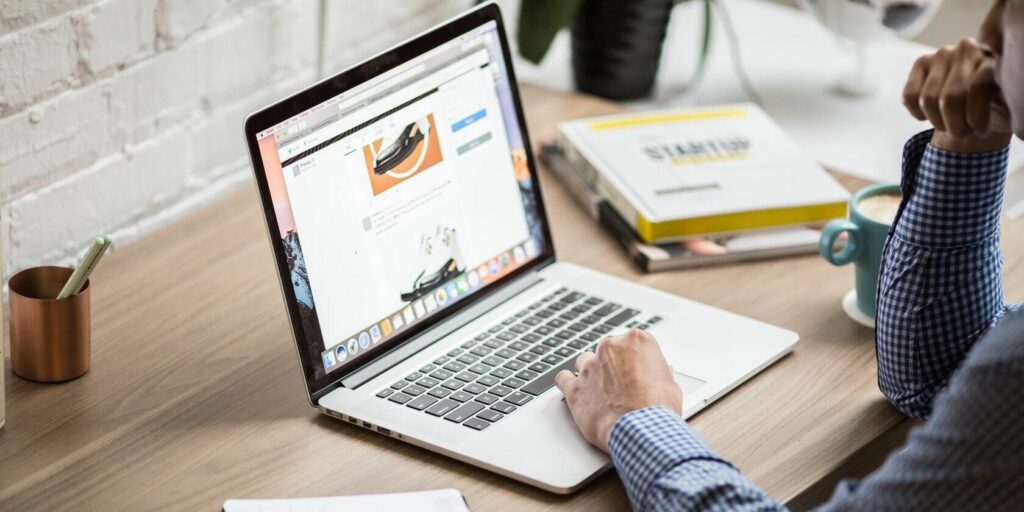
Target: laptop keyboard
{"x": 504, "y": 367}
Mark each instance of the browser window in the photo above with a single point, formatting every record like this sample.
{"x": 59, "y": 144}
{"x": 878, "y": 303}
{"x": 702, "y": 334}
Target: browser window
{"x": 402, "y": 197}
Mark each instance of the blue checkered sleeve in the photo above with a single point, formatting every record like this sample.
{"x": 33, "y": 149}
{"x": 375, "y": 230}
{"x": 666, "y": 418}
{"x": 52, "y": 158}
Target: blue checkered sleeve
{"x": 666, "y": 466}
{"x": 939, "y": 288}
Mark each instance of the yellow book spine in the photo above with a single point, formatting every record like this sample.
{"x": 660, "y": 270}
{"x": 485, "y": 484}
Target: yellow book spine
{"x": 653, "y": 232}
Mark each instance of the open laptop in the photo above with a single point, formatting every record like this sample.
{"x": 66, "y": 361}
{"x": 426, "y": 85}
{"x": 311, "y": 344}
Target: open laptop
{"x": 416, "y": 262}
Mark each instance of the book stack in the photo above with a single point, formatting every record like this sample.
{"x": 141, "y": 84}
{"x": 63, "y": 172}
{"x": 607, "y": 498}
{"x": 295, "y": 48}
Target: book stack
{"x": 686, "y": 188}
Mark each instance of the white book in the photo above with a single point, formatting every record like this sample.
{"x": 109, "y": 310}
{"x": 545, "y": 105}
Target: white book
{"x": 442, "y": 500}
{"x": 676, "y": 174}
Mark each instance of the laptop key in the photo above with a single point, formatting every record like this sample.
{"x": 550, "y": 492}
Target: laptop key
{"x": 443, "y": 407}
{"x": 400, "y": 384}
{"x": 479, "y": 368}
{"x": 533, "y": 320}
{"x": 591, "y": 319}
{"x": 503, "y": 407}
{"x": 538, "y": 367}
{"x": 384, "y": 393}
{"x": 593, "y": 301}
{"x": 488, "y": 380}
{"x": 545, "y": 330}
{"x": 590, "y": 336}
{"x": 474, "y": 388}
{"x": 545, "y": 314}
{"x": 441, "y": 374}
{"x": 578, "y": 327}
{"x": 518, "y": 398}
{"x": 469, "y": 344}
{"x": 622, "y": 317}
{"x": 553, "y": 342}
{"x": 546, "y": 380}
{"x": 511, "y": 350}
{"x": 480, "y": 351}
{"x": 522, "y": 313}
{"x": 507, "y": 336}
{"x": 520, "y": 328}
{"x": 464, "y": 411}
{"x": 414, "y": 390}
{"x": 493, "y": 360}
{"x": 453, "y": 384}
{"x": 454, "y": 366}
{"x": 552, "y": 359}
{"x": 508, "y": 321}
{"x": 526, "y": 375}
{"x": 576, "y": 344}
{"x": 422, "y": 402}
{"x": 467, "y": 359}
{"x": 427, "y": 369}
{"x": 525, "y": 357}
{"x": 500, "y": 390}
{"x": 476, "y": 424}
{"x": 540, "y": 350}
{"x": 480, "y": 337}
{"x": 556, "y": 323}
{"x": 413, "y": 377}
{"x": 514, "y": 365}
{"x": 490, "y": 415}
{"x": 602, "y": 329}
{"x": 427, "y": 382}
{"x": 493, "y": 343}
{"x": 533, "y": 337}
{"x": 487, "y": 398}
{"x": 399, "y": 398}
{"x": 500, "y": 373}
{"x": 439, "y": 392}
{"x": 512, "y": 382}
{"x": 495, "y": 329}
{"x": 607, "y": 309}
{"x": 461, "y": 396}
{"x": 565, "y": 351}
{"x": 454, "y": 352}
{"x": 466, "y": 376}
{"x": 441, "y": 360}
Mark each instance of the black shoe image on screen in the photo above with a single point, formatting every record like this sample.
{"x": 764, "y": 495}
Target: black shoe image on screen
{"x": 401, "y": 147}
{"x": 439, "y": 261}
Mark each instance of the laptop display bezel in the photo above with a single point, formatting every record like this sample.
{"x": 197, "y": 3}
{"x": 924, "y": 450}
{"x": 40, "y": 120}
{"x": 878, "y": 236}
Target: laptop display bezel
{"x": 338, "y": 84}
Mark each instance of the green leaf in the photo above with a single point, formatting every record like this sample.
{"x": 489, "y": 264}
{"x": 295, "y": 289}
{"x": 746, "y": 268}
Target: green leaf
{"x": 539, "y": 23}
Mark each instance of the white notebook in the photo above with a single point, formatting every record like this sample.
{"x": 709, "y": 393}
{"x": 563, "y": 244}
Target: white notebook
{"x": 441, "y": 500}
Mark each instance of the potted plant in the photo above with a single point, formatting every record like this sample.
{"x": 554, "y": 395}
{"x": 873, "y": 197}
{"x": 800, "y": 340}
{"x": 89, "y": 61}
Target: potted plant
{"x": 616, "y": 44}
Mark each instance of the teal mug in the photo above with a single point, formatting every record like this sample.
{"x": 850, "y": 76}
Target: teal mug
{"x": 866, "y": 233}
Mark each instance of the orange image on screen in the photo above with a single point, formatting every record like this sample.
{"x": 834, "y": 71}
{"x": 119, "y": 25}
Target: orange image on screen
{"x": 402, "y": 154}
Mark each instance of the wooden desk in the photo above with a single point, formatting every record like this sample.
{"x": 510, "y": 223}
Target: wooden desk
{"x": 195, "y": 396}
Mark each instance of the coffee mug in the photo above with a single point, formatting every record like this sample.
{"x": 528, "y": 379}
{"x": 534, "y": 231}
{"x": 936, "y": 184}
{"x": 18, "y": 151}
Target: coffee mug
{"x": 866, "y": 233}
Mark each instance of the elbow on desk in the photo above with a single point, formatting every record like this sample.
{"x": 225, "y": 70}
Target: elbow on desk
{"x": 912, "y": 403}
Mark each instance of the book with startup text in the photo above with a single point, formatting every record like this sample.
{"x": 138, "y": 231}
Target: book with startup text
{"x": 679, "y": 254}
{"x": 681, "y": 174}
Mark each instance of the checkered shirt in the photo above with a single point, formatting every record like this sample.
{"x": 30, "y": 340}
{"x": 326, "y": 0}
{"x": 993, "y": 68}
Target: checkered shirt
{"x": 939, "y": 293}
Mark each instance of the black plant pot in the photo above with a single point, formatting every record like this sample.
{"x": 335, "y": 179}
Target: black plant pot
{"x": 616, "y": 46}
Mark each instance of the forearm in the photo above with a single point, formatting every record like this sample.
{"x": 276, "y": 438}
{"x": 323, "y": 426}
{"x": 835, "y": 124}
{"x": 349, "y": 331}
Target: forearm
{"x": 939, "y": 289}
{"x": 666, "y": 466}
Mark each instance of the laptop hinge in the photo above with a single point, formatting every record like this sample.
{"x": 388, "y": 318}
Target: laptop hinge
{"x": 415, "y": 345}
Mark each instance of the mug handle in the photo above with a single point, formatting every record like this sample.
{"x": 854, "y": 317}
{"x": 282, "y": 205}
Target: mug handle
{"x": 850, "y": 252}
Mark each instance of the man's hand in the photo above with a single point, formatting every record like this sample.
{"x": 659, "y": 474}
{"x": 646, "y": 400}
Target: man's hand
{"x": 955, "y": 89}
{"x": 627, "y": 373}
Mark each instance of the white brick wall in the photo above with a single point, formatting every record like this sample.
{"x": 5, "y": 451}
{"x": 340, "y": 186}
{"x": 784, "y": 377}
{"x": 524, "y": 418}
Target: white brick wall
{"x": 117, "y": 116}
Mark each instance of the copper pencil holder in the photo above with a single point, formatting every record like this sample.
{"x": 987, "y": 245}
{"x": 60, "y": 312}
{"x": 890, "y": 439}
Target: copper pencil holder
{"x": 50, "y": 338}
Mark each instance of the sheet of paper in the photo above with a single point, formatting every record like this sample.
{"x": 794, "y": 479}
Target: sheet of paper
{"x": 442, "y": 500}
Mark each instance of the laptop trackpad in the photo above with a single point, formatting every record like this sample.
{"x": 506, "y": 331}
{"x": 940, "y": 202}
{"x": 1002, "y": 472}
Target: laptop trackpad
{"x": 688, "y": 384}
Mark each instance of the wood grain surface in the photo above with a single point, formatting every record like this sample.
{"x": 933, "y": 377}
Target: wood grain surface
{"x": 195, "y": 397}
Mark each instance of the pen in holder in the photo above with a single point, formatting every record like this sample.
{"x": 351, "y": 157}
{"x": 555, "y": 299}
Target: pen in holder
{"x": 50, "y": 337}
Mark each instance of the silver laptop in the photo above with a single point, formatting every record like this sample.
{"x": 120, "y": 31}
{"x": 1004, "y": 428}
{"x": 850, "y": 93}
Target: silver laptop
{"x": 416, "y": 262}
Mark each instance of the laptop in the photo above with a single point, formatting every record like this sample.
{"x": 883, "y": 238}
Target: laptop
{"x": 415, "y": 257}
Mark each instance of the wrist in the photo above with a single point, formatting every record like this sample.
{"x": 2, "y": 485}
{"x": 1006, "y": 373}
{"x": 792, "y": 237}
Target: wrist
{"x": 972, "y": 144}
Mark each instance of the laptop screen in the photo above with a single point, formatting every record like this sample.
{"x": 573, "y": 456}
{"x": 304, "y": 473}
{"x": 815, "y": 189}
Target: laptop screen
{"x": 401, "y": 197}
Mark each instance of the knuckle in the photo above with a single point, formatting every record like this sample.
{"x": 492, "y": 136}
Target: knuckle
{"x": 945, "y": 51}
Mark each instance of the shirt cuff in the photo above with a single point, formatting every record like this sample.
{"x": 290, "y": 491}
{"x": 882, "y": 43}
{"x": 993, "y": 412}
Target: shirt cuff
{"x": 949, "y": 199}
{"x": 648, "y": 443}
